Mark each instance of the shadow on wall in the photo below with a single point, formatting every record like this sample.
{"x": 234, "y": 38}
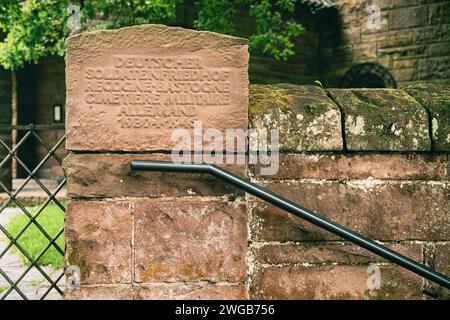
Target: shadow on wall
{"x": 340, "y": 65}
{"x": 368, "y": 75}
{"x": 303, "y": 67}
{"x": 324, "y": 51}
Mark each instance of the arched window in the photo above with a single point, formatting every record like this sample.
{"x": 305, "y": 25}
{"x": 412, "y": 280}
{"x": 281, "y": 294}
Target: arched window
{"x": 368, "y": 75}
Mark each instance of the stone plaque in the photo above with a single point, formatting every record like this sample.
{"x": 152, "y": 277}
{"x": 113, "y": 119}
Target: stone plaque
{"x": 129, "y": 89}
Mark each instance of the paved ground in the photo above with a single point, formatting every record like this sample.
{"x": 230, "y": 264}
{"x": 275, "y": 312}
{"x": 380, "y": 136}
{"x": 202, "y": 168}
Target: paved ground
{"x": 33, "y": 285}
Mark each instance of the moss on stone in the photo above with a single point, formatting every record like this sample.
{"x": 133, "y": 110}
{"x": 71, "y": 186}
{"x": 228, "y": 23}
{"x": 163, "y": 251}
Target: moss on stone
{"x": 435, "y": 97}
{"x": 77, "y": 256}
{"x": 265, "y": 97}
{"x": 382, "y": 119}
{"x": 305, "y": 117}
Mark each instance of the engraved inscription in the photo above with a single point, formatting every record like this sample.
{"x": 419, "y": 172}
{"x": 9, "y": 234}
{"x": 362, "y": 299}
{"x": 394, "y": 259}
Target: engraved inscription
{"x": 129, "y": 89}
{"x": 157, "y": 92}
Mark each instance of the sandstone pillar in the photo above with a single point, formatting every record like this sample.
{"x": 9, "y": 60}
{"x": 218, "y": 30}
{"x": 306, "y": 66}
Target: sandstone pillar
{"x": 152, "y": 235}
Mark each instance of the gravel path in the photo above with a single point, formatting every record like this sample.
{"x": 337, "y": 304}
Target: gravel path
{"x": 33, "y": 285}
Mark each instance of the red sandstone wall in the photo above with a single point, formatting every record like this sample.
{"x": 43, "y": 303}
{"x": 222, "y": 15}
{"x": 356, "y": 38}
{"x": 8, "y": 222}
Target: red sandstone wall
{"x": 387, "y": 179}
{"x": 375, "y": 161}
{"x": 151, "y": 235}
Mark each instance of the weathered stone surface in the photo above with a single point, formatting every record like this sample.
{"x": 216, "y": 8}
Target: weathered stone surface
{"x": 389, "y": 4}
{"x": 329, "y": 253}
{"x": 435, "y": 98}
{"x": 109, "y": 175}
{"x": 405, "y": 74}
{"x": 191, "y": 291}
{"x": 305, "y": 117}
{"x": 393, "y": 39}
{"x": 408, "y": 17}
{"x": 105, "y": 292}
{"x": 98, "y": 240}
{"x": 440, "y": 12}
{"x": 440, "y": 49}
{"x": 359, "y": 166}
{"x": 334, "y": 283}
{"x": 160, "y": 291}
{"x": 434, "y": 68}
{"x": 382, "y": 119}
{"x": 190, "y": 240}
{"x": 437, "y": 257}
{"x": 384, "y": 211}
{"x": 128, "y": 89}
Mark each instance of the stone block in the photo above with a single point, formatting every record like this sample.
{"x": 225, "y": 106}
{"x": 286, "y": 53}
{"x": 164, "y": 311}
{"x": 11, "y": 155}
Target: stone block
{"x": 436, "y": 99}
{"x": 335, "y": 283}
{"x": 305, "y": 117}
{"x": 437, "y": 258}
{"x": 359, "y": 166}
{"x": 322, "y": 253}
{"x": 440, "y": 13}
{"x": 189, "y": 240}
{"x": 404, "y": 74}
{"x": 191, "y": 291}
{"x": 382, "y": 120}
{"x": 98, "y": 237}
{"x": 378, "y": 210}
{"x": 130, "y": 88}
{"x": 99, "y": 292}
{"x": 434, "y": 68}
{"x": 440, "y": 49}
{"x": 109, "y": 175}
{"x": 160, "y": 291}
{"x": 410, "y": 17}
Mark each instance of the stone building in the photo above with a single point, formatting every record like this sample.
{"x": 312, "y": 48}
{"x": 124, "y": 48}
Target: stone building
{"x": 353, "y": 43}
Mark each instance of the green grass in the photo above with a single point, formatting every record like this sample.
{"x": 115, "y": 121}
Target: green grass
{"x": 4, "y": 288}
{"x": 33, "y": 241}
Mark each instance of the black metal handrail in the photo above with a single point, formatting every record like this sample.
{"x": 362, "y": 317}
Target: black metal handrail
{"x": 285, "y": 204}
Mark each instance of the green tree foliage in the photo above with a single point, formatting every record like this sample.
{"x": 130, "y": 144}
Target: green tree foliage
{"x": 38, "y": 28}
{"x": 274, "y": 31}
{"x": 31, "y": 31}
{"x": 111, "y": 14}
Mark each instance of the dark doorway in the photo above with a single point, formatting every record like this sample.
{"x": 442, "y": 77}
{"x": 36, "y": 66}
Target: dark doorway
{"x": 368, "y": 75}
{"x": 26, "y": 87}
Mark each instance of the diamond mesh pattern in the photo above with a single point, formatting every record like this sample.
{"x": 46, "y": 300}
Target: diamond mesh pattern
{"x": 14, "y": 287}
